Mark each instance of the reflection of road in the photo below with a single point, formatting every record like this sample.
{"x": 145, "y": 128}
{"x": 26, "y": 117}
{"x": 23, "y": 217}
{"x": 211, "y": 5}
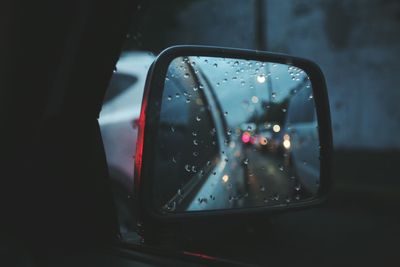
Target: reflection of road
{"x": 268, "y": 180}
{"x": 249, "y": 177}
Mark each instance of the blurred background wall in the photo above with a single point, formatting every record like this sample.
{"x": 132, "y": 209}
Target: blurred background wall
{"x": 356, "y": 43}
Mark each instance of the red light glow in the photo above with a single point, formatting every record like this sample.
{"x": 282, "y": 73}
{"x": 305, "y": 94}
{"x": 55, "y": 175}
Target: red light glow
{"x": 246, "y": 137}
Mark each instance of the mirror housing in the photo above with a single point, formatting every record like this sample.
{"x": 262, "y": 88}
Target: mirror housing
{"x": 145, "y": 157}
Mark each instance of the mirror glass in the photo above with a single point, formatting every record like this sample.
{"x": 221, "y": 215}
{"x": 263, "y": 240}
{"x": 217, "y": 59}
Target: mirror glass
{"x": 234, "y": 134}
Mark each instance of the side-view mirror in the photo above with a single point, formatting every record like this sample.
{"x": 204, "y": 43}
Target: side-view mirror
{"x": 227, "y": 132}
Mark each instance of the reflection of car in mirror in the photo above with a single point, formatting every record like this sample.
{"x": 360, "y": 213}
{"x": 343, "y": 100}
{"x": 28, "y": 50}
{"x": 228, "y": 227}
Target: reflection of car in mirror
{"x": 301, "y": 137}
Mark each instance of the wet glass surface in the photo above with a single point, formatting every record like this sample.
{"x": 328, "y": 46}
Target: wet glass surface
{"x": 235, "y": 134}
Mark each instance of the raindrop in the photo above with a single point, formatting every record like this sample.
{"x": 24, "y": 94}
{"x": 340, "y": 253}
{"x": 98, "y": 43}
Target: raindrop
{"x": 229, "y": 132}
{"x": 171, "y": 206}
{"x": 172, "y": 129}
{"x": 234, "y": 78}
{"x": 202, "y": 200}
{"x": 273, "y": 95}
{"x": 186, "y": 75}
{"x": 194, "y": 169}
{"x": 225, "y": 113}
{"x": 177, "y": 95}
{"x": 275, "y": 197}
{"x": 284, "y": 110}
{"x": 195, "y": 153}
{"x": 225, "y": 80}
{"x": 262, "y": 188}
{"x": 246, "y": 161}
{"x": 297, "y": 197}
{"x": 187, "y": 167}
{"x": 173, "y": 160}
{"x": 288, "y": 200}
{"x": 310, "y": 97}
{"x": 281, "y": 168}
{"x": 187, "y": 100}
{"x": 208, "y": 163}
{"x": 215, "y": 65}
{"x": 249, "y": 128}
{"x": 266, "y": 200}
{"x": 297, "y": 187}
{"x": 242, "y": 83}
{"x": 194, "y": 133}
{"x": 169, "y": 98}
{"x": 195, "y": 142}
{"x": 214, "y": 173}
{"x": 195, "y": 88}
{"x": 198, "y": 118}
{"x": 201, "y": 86}
{"x": 236, "y": 63}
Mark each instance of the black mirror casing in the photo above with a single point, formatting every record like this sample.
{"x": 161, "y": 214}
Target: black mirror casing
{"x": 149, "y": 219}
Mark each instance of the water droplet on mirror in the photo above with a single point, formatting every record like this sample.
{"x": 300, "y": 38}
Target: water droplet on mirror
{"x": 202, "y": 200}
{"x": 201, "y": 86}
{"x": 198, "y": 118}
{"x": 273, "y": 95}
{"x": 242, "y": 83}
{"x": 246, "y": 161}
{"x": 169, "y": 98}
{"x": 266, "y": 200}
{"x": 236, "y": 63}
{"x": 225, "y": 80}
{"x": 173, "y": 160}
{"x": 281, "y": 168}
{"x": 171, "y": 206}
{"x": 195, "y": 142}
{"x": 186, "y": 75}
{"x": 284, "y": 110}
{"x": 208, "y": 163}
{"x": 297, "y": 197}
{"x": 195, "y": 88}
{"x": 194, "y": 169}
{"x": 187, "y": 100}
{"x": 172, "y": 129}
{"x": 195, "y": 153}
{"x": 275, "y": 197}
{"x": 297, "y": 187}
{"x": 225, "y": 113}
{"x": 177, "y": 95}
{"x": 215, "y": 65}
{"x": 262, "y": 188}
{"x": 229, "y": 132}
{"x": 187, "y": 167}
{"x": 310, "y": 97}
